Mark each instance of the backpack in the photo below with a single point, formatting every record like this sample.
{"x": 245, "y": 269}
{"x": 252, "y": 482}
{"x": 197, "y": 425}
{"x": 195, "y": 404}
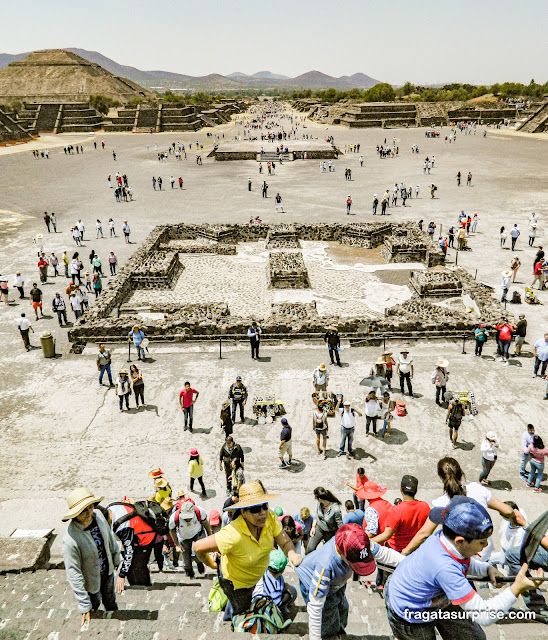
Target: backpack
{"x": 263, "y": 617}
{"x": 178, "y": 506}
{"x": 149, "y": 511}
{"x": 516, "y": 297}
{"x": 217, "y": 598}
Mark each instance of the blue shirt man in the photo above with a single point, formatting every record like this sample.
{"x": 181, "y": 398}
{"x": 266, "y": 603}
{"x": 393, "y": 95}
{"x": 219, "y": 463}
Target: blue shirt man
{"x": 137, "y": 336}
{"x": 352, "y": 514}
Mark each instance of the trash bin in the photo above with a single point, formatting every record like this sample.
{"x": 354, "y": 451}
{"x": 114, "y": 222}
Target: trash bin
{"x": 48, "y": 345}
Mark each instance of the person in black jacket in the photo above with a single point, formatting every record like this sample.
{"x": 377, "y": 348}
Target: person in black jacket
{"x": 238, "y": 395}
{"x": 333, "y": 342}
{"x": 230, "y": 451}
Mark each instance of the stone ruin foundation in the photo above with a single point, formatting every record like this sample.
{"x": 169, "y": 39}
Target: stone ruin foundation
{"x": 156, "y": 265}
{"x": 287, "y": 270}
{"x": 443, "y": 283}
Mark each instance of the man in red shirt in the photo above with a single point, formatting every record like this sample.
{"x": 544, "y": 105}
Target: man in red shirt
{"x": 43, "y": 268}
{"x": 376, "y": 515}
{"x": 405, "y": 519}
{"x": 504, "y": 338}
{"x": 187, "y": 398}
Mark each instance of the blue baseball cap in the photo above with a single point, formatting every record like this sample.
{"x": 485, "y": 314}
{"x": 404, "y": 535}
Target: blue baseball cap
{"x": 464, "y": 516}
{"x": 284, "y": 421}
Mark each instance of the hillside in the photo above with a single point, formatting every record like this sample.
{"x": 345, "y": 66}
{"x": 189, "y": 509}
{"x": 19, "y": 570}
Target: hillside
{"x": 156, "y": 79}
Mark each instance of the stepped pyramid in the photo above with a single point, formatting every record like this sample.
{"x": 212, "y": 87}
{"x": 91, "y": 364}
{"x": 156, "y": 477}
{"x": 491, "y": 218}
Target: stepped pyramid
{"x": 56, "y": 75}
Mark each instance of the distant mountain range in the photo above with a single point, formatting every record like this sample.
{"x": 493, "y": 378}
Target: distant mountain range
{"x": 215, "y": 82}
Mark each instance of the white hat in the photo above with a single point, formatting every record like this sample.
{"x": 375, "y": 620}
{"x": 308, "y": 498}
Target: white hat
{"x": 491, "y": 435}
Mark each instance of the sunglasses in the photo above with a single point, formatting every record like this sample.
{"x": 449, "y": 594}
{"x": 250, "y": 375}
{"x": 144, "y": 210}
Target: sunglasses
{"x": 258, "y": 508}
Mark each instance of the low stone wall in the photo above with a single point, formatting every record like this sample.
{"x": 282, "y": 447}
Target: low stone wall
{"x": 159, "y": 270}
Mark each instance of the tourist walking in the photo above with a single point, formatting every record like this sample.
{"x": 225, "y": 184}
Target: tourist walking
{"x": 537, "y": 452}
{"x": 24, "y": 327}
{"x": 99, "y": 229}
{"x": 372, "y": 412}
{"x": 348, "y": 425}
{"x": 514, "y": 234}
{"x": 104, "y": 360}
{"x": 53, "y": 221}
{"x": 505, "y": 330}
{"x": 19, "y": 284}
{"x": 320, "y": 426}
{"x": 4, "y": 290}
{"x": 333, "y": 342}
{"x": 136, "y": 336}
{"x": 60, "y": 308}
{"x": 490, "y": 448}
{"x": 455, "y": 414}
{"x": 112, "y": 261}
{"x": 123, "y": 388}
{"x": 526, "y": 440}
{"x": 111, "y": 227}
{"x": 35, "y": 296}
{"x": 361, "y": 479}
{"x": 238, "y": 395}
{"x": 254, "y": 334}
{"x": 532, "y": 234}
{"x": 514, "y": 266}
{"x": 127, "y": 231}
{"x": 196, "y": 470}
{"x": 43, "y": 268}
{"x": 91, "y": 554}
{"x": 97, "y": 285}
{"x": 328, "y": 518}
{"x": 481, "y": 334}
{"x": 503, "y": 235}
{"x": 348, "y": 204}
{"x": 187, "y": 398}
{"x": 389, "y": 363}
{"x": 320, "y": 378}
{"x": 187, "y": 524}
{"x": 286, "y": 444}
{"x": 440, "y": 376}
{"x": 226, "y": 419}
{"x": 230, "y": 451}
{"x": 387, "y": 413}
{"x": 405, "y": 370}
{"x": 520, "y": 333}
{"x": 138, "y": 385}
{"x": 541, "y": 355}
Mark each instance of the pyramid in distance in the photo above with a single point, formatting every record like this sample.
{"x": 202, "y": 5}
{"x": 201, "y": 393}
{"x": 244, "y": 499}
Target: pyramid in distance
{"x": 56, "y": 75}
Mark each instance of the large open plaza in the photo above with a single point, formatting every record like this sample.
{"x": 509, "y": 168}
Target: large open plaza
{"x": 59, "y": 429}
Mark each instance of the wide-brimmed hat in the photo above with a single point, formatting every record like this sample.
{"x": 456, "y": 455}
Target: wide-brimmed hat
{"x": 332, "y": 328}
{"x": 167, "y": 503}
{"x": 181, "y": 493}
{"x": 124, "y": 371}
{"x": 507, "y": 274}
{"x": 155, "y": 473}
{"x": 322, "y": 367}
{"x": 370, "y": 490}
{"x": 491, "y": 435}
{"x": 252, "y": 494}
{"x": 404, "y": 350}
{"x": 79, "y": 500}
{"x": 387, "y": 353}
{"x": 380, "y": 360}
{"x": 442, "y": 362}
{"x": 160, "y": 482}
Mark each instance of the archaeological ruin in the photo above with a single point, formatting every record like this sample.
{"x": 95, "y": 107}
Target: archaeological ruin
{"x": 292, "y": 280}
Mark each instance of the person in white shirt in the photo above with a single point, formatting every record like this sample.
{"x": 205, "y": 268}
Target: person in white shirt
{"x": 320, "y": 378}
{"x": 348, "y": 425}
{"x": 489, "y": 448}
{"x": 19, "y": 283}
{"x": 76, "y": 304}
{"x": 510, "y": 534}
{"x": 514, "y": 234}
{"x": 526, "y": 440}
{"x": 506, "y": 281}
{"x": 24, "y": 327}
{"x": 127, "y": 231}
{"x": 81, "y": 228}
{"x": 372, "y": 412}
{"x": 187, "y": 524}
{"x": 405, "y": 370}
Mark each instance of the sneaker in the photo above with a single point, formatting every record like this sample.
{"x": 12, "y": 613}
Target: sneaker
{"x": 534, "y": 375}
{"x": 201, "y": 568}
{"x": 499, "y": 359}
{"x": 341, "y": 453}
{"x": 282, "y": 466}
{"x": 325, "y": 456}
{"x": 288, "y": 463}
{"x": 506, "y": 364}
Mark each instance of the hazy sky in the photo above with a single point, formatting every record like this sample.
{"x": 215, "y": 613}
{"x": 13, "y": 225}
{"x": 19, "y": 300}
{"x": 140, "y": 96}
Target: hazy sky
{"x": 426, "y": 41}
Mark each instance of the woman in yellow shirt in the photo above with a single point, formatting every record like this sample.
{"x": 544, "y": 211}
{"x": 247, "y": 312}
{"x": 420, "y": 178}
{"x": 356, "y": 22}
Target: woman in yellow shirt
{"x": 196, "y": 470}
{"x": 245, "y": 545}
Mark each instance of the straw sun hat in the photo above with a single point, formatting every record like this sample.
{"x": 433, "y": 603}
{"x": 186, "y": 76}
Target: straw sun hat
{"x": 442, "y": 363}
{"x": 79, "y": 500}
{"x": 252, "y": 494}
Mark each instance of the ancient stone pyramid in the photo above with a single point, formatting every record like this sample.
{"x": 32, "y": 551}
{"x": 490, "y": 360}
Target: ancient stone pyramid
{"x": 56, "y": 75}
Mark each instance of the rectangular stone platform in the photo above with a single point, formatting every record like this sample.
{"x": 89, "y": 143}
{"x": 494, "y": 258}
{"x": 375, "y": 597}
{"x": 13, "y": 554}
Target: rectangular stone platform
{"x": 287, "y": 270}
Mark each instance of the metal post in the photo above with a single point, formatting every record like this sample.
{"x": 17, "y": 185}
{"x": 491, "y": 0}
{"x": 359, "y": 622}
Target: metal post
{"x": 476, "y": 275}
{"x": 220, "y": 347}
{"x": 129, "y": 351}
{"x": 456, "y": 257}
{"x": 384, "y": 343}
{"x": 463, "y": 342}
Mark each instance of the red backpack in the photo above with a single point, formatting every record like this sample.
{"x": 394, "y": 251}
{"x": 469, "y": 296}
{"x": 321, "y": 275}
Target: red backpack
{"x": 178, "y": 506}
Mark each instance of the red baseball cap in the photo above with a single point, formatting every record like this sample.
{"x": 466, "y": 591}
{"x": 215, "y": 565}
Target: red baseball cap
{"x": 214, "y": 517}
{"x": 352, "y": 543}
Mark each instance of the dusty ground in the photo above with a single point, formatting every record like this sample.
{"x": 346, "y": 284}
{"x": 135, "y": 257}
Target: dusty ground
{"x": 59, "y": 429}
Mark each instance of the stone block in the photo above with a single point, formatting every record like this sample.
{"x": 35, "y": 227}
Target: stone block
{"x": 23, "y": 554}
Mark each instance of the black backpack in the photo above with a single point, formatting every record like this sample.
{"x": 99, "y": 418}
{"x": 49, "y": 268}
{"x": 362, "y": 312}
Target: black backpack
{"x": 150, "y": 511}
{"x": 516, "y": 297}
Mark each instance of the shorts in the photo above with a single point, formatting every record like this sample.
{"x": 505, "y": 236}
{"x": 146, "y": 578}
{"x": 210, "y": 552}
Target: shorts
{"x": 321, "y": 432}
{"x": 35, "y": 305}
{"x": 453, "y": 425}
{"x": 287, "y": 447}
{"x": 520, "y": 340}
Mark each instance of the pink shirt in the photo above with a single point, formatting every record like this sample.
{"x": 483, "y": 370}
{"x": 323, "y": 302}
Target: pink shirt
{"x": 187, "y": 396}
